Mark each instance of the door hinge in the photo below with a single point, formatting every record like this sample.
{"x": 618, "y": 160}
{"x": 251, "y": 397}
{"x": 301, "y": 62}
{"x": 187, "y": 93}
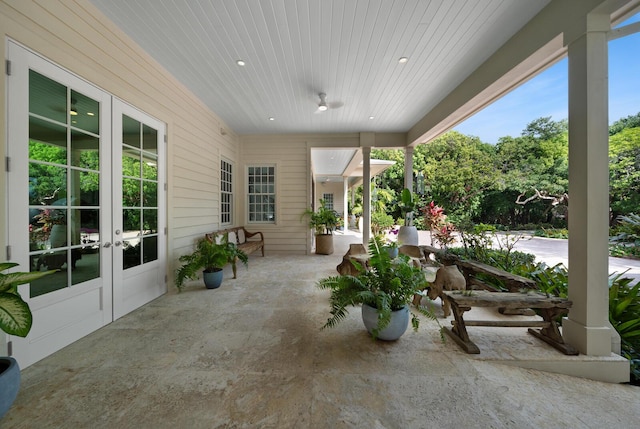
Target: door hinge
{"x": 10, "y": 348}
{"x": 165, "y": 187}
{"x": 7, "y": 162}
{"x": 166, "y": 278}
{"x": 166, "y": 230}
{"x": 8, "y": 251}
{"x": 166, "y": 139}
{"x": 7, "y": 67}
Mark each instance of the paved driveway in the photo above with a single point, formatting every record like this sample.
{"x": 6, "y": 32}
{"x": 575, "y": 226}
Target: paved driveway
{"x": 553, "y": 250}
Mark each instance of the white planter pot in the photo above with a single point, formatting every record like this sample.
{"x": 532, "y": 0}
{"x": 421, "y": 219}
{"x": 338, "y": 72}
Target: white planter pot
{"x": 395, "y": 328}
{"x": 408, "y": 235}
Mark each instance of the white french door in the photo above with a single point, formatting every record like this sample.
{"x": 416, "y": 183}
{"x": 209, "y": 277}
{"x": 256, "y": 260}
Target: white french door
{"x": 76, "y": 203}
{"x": 138, "y": 196}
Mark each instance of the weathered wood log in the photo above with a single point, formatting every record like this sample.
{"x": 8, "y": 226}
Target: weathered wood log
{"x": 550, "y": 308}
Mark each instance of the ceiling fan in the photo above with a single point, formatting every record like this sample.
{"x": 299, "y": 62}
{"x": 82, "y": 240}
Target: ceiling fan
{"x": 323, "y": 106}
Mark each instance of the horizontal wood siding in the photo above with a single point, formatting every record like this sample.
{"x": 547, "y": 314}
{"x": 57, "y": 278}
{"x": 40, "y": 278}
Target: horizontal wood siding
{"x": 76, "y": 36}
{"x": 290, "y": 156}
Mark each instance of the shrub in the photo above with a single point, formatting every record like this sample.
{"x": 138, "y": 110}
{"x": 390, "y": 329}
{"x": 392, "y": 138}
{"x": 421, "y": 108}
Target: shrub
{"x": 624, "y": 315}
{"x": 552, "y": 233}
{"x": 380, "y": 222}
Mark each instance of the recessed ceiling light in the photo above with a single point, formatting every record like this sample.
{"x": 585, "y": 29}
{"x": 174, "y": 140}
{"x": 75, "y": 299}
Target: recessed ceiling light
{"x": 372, "y": 117}
{"x": 90, "y": 114}
{"x": 240, "y": 63}
{"x": 403, "y": 60}
{"x": 271, "y": 118}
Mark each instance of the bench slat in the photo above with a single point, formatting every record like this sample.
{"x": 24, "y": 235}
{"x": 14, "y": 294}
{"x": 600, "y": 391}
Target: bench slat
{"x": 506, "y": 323}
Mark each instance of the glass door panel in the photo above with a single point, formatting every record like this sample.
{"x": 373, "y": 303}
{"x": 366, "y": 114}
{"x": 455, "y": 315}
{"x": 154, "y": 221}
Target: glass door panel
{"x": 139, "y": 192}
{"x": 64, "y": 175}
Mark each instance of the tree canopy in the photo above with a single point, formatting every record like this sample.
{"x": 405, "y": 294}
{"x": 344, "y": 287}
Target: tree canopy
{"x": 518, "y": 181}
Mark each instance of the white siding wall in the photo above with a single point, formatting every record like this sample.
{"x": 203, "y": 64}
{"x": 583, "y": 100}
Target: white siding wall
{"x": 74, "y": 35}
{"x": 291, "y": 155}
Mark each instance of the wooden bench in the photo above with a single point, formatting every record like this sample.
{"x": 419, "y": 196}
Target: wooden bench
{"x": 246, "y": 241}
{"x": 550, "y": 309}
{"x": 472, "y": 269}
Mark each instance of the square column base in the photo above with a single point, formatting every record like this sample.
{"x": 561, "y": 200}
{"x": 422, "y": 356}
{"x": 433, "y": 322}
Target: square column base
{"x": 592, "y": 341}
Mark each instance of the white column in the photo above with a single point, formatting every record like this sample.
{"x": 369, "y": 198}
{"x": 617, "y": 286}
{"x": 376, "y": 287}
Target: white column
{"x": 366, "y": 196}
{"x": 345, "y": 202}
{"x": 587, "y": 327}
{"x": 408, "y": 168}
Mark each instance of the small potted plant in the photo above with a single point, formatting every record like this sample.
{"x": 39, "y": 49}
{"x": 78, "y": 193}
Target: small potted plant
{"x": 384, "y": 288}
{"x": 211, "y": 257}
{"x": 323, "y": 221}
{"x": 15, "y": 319}
{"x": 408, "y": 234}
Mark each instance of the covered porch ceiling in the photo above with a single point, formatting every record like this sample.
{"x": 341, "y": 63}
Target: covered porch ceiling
{"x": 407, "y": 69}
{"x": 333, "y": 165}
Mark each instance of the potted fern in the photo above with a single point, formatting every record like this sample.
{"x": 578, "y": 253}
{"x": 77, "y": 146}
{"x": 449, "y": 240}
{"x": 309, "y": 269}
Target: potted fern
{"x": 15, "y": 319}
{"x": 210, "y": 256}
{"x": 384, "y": 289}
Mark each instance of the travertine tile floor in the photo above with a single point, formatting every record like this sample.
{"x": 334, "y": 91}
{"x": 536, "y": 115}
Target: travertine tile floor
{"x": 250, "y": 355}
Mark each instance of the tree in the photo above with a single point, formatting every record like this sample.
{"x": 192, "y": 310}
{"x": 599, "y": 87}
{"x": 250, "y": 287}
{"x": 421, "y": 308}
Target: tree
{"x": 632, "y": 121}
{"x": 458, "y": 169}
{"x": 535, "y": 172}
{"x": 624, "y": 172}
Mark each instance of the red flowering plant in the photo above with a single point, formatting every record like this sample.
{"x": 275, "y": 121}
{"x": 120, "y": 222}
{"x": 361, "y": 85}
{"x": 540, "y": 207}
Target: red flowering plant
{"x": 444, "y": 234}
{"x": 435, "y": 219}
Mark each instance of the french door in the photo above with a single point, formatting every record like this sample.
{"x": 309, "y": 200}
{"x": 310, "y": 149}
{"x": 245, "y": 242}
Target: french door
{"x": 77, "y": 204}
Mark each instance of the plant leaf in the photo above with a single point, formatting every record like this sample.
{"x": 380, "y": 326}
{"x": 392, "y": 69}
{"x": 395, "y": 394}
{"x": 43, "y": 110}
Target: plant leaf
{"x": 15, "y": 315}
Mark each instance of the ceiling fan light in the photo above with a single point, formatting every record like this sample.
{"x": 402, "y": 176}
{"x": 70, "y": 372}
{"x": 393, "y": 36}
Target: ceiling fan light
{"x": 73, "y": 111}
{"x": 322, "y": 107}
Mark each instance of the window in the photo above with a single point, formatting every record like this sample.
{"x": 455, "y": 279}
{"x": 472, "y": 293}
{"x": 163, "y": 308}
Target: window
{"x": 261, "y": 193}
{"x": 226, "y": 192}
{"x": 328, "y": 201}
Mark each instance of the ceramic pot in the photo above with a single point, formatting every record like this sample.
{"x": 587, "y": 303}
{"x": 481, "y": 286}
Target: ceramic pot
{"x": 213, "y": 279}
{"x": 408, "y": 235}
{"x": 9, "y": 383}
{"x": 395, "y": 328}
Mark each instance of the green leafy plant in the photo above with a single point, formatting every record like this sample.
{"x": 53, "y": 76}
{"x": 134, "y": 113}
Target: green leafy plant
{"x": 407, "y": 205}
{"x": 15, "y": 314}
{"x": 625, "y": 239}
{"x": 386, "y": 284}
{"x": 209, "y": 256}
{"x": 322, "y": 221}
{"x": 624, "y": 315}
{"x": 380, "y": 222}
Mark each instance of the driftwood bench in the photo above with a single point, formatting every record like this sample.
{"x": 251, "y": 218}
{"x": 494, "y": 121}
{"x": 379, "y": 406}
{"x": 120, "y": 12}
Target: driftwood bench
{"x": 550, "y": 309}
{"x": 246, "y": 241}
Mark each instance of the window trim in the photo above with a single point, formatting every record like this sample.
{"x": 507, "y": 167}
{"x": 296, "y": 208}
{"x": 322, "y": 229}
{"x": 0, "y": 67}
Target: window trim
{"x": 275, "y": 194}
{"x": 223, "y": 192}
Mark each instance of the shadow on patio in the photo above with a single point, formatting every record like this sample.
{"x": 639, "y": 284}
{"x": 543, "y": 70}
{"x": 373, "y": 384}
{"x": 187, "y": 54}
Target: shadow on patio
{"x": 250, "y": 354}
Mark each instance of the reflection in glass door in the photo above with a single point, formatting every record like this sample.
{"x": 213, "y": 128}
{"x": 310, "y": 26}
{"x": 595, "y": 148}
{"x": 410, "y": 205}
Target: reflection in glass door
{"x": 139, "y": 193}
{"x": 59, "y": 201}
{"x": 64, "y": 184}
{"x": 138, "y": 258}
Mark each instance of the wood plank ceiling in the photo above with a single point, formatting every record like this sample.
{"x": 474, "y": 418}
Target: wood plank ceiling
{"x": 295, "y": 49}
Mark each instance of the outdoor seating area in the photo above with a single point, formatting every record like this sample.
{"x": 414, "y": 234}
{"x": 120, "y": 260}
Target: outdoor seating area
{"x": 251, "y": 354}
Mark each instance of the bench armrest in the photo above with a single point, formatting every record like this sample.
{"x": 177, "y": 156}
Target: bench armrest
{"x": 251, "y": 234}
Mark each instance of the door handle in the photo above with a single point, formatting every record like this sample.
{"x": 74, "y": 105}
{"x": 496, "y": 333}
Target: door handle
{"x": 107, "y": 245}
{"x": 117, "y": 243}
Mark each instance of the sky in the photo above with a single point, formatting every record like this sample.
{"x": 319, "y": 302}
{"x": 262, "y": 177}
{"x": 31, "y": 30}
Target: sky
{"x": 547, "y": 95}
